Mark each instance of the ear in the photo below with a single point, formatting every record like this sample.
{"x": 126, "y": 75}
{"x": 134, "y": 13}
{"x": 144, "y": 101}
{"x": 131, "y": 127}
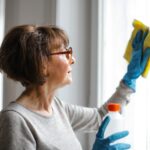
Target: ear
{"x": 45, "y": 68}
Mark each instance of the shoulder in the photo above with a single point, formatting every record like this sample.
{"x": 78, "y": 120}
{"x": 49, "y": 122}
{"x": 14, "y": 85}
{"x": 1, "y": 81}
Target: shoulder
{"x": 11, "y": 115}
{"x": 58, "y": 103}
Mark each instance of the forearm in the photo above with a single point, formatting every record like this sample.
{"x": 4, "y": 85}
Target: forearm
{"x": 121, "y": 96}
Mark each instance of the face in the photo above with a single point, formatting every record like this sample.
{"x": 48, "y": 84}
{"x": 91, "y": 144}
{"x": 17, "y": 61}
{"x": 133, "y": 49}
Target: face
{"x": 60, "y": 68}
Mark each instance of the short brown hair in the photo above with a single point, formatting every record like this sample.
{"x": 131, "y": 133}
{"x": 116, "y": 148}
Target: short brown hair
{"x": 25, "y": 48}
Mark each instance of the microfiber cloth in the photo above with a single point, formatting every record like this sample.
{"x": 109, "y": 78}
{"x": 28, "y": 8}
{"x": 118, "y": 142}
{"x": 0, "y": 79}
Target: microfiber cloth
{"x": 128, "y": 52}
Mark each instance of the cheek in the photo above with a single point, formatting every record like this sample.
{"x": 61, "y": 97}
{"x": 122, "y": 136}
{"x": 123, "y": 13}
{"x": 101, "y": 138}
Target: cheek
{"x": 62, "y": 68}
{"x": 58, "y": 70}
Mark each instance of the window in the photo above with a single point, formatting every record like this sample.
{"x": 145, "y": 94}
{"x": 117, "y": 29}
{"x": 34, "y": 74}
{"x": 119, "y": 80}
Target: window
{"x": 116, "y": 19}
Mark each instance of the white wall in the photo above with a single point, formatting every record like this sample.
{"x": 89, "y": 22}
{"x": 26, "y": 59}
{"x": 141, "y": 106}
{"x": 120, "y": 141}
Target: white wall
{"x": 75, "y": 17}
{"x": 2, "y": 24}
{"x": 25, "y": 12}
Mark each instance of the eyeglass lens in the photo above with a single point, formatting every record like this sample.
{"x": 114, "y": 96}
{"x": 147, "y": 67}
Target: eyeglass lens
{"x": 69, "y": 54}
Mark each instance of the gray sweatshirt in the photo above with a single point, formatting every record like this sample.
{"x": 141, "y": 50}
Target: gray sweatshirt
{"x": 22, "y": 129}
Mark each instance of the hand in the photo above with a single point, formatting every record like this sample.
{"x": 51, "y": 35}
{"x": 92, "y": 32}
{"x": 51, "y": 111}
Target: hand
{"x": 102, "y": 143}
{"x": 138, "y": 60}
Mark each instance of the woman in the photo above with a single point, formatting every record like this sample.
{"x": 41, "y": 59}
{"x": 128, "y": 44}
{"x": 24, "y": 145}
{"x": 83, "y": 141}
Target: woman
{"x": 38, "y": 57}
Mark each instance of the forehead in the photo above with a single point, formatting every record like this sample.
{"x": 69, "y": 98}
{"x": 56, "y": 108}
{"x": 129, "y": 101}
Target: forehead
{"x": 58, "y": 39}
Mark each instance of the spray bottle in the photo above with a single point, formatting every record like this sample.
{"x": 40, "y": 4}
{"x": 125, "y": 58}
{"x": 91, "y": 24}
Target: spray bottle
{"x": 116, "y": 123}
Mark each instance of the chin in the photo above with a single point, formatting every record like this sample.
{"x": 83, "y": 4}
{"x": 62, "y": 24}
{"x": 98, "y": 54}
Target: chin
{"x": 68, "y": 81}
{"x": 65, "y": 83}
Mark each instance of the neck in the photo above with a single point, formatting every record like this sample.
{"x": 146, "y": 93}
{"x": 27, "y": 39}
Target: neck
{"x": 38, "y": 99}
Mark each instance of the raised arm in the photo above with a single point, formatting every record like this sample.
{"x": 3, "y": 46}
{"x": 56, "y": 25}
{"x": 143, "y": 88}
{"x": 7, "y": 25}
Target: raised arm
{"x": 135, "y": 68}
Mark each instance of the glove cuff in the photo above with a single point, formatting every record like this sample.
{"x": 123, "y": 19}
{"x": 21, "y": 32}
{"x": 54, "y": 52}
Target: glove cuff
{"x": 131, "y": 83}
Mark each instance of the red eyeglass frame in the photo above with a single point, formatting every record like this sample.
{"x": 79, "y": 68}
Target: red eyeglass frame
{"x": 68, "y": 51}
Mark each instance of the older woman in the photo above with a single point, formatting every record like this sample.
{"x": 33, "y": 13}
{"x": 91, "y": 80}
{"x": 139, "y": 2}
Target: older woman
{"x": 38, "y": 57}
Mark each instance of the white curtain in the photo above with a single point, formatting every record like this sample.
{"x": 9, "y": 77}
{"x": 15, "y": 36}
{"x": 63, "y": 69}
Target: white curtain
{"x": 116, "y": 20}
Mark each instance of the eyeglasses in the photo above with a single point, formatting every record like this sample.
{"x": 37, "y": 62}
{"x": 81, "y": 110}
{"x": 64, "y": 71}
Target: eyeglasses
{"x": 68, "y": 52}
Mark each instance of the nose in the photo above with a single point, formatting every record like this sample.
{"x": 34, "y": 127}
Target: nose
{"x": 73, "y": 60}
